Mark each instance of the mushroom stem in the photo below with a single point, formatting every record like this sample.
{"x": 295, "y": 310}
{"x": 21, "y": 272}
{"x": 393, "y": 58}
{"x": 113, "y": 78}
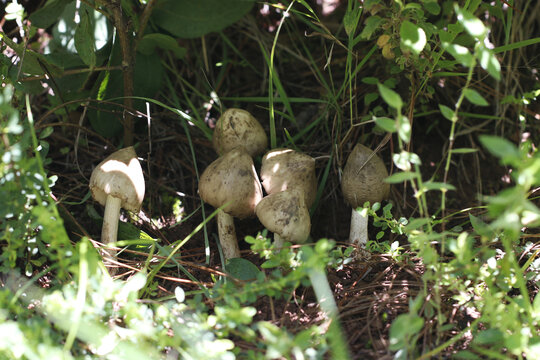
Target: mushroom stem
{"x": 359, "y": 229}
{"x": 278, "y": 241}
{"x": 109, "y": 231}
{"x": 227, "y": 235}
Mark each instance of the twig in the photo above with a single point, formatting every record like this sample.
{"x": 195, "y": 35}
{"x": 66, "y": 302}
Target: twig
{"x": 127, "y": 66}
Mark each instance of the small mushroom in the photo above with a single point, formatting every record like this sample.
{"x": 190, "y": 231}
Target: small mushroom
{"x": 236, "y": 127}
{"x": 117, "y": 182}
{"x": 285, "y": 214}
{"x": 362, "y": 181}
{"x": 231, "y": 181}
{"x": 283, "y": 169}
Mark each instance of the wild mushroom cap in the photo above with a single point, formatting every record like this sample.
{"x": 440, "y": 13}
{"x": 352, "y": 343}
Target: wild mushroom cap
{"x": 120, "y": 175}
{"x": 362, "y": 178}
{"x": 236, "y": 127}
{"x": 232, "y": 180}
{"x": 285, "y": 213}
{"x": 284, "y": 169}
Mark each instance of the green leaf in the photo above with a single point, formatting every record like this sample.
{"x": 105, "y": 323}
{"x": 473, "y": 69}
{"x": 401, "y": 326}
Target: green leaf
{"x": 33, "y": 63}
{"x": 446, "y": 112}
{"x": 386, "y": 124}
{"x": 242, "y": 269}
{"x": 403, "y": 328}
{"x": 498, "y": 146}
{"x": 489, "y": 62}
{"x": 460, "y": 53}
{"x": 470, "y": 23}
{"x": 434, "y": 185}
{"x": 391, "y": 97}
{"x": 149, "y": 42}
{"x": 192, "y": 19}
{"x": 48, "y": 14}
{"x": 370, "y": 80}
{"x": 405, "y": 159}
{"x": 401, "y": 177}
{"x": 404, "y": 128}
{"x": 370, "y": 26}
{"x": 413, "y": 38}
{"x": 350, "y": 20}
{"x": 474, "y": 97}
{"x": 432, "y": 6}
{"x": 489, "y": 336}
{"x": 370, "y": 97}
{"x": 84, "y": 39}
{"x": 481, "y": 227}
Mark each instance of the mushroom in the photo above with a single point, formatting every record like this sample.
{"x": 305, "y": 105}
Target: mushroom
{"x": 362, "y": 181}
{"x": 236, "y": 127}
{"x": 285, "y": 214}
{"x": 231, "y": 182}
{"x": 117, "y": 182}
{"x": 283, "y": 169}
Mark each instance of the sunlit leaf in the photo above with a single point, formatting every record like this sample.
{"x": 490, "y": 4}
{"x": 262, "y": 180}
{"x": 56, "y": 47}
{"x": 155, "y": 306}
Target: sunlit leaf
{"x": 470, "y": 23}
{"x": 446, "y": 112}
{"x": 489, "y": 62}
{"x": 413, "y": 37}
{"x": 460, "y": 53}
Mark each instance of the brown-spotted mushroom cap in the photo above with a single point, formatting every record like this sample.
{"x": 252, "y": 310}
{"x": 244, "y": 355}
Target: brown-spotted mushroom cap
{"x": 232, "y": 179}
{"x": 285, "y": 213}
{"x": 120, "y": 175}
{"x": 362, "y": 180}
{"x": 284, "y": 169}
{"x": 236, "y": 127}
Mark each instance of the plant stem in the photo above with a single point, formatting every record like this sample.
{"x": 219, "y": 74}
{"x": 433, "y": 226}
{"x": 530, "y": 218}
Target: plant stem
{"x": 227, "y": 235}
{"x": 127, "y": 66}
{"x": 325, "y": 297}
{"x": 359, "y": 233}
{"x": 278, "y": 241}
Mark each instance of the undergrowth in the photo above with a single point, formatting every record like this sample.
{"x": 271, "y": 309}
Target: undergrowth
{"x": 443, "y": 91}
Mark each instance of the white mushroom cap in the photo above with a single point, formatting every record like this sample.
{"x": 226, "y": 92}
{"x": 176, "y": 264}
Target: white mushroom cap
{"x": 362, "y": 180}
{"x": 232, "y": 180}
{"x": 286, "y": 214}
{"x": 284, "y": 169}
{"x": 120, "y": 175}
{"x": 236, "y": 127}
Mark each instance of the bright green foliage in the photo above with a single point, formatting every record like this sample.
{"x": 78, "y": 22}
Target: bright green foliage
{"x": 30, "y": 227}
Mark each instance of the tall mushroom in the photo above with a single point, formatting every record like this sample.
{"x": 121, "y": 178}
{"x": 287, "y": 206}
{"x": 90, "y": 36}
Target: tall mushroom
{"x": 117, "y": 182}
{"x": 283, "y": 169}
{"x": 231, "y": 181}
{"x": 285, "y": 214}
{"x": 362, "y": 181}
{"x": 237, "y": 127}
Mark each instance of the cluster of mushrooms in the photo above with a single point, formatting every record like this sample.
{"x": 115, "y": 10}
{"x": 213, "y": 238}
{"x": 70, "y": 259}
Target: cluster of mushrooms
{"x": 231, "y": 184}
